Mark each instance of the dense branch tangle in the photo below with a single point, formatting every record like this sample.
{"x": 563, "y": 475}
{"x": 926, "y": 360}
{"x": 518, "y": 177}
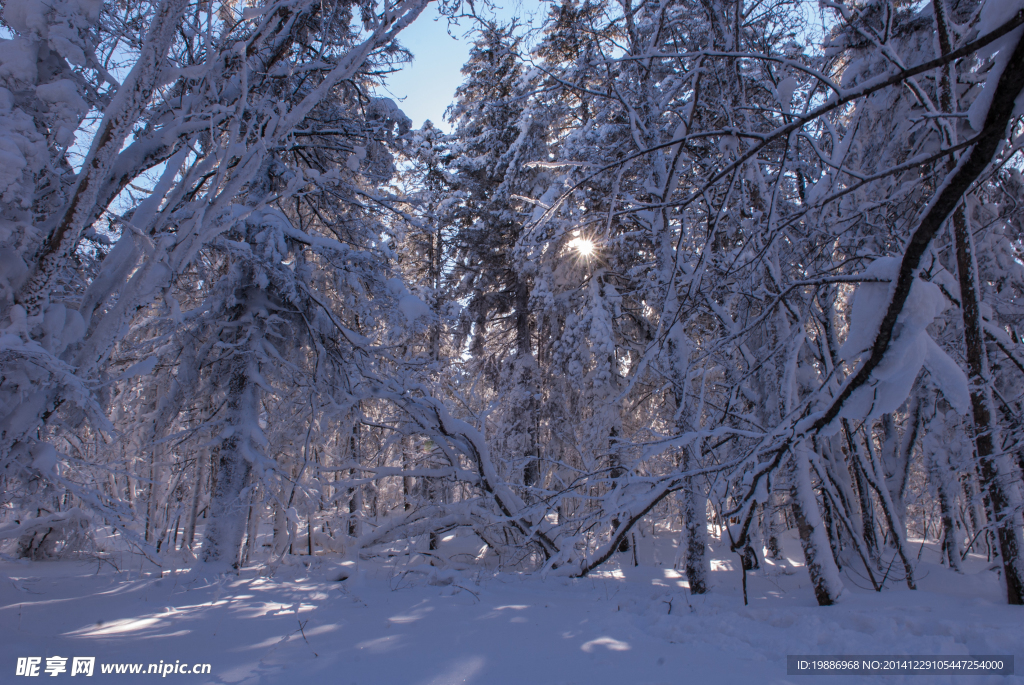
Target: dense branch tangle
{"x": 671, "y": 267}
{"x": 750, "y": 218}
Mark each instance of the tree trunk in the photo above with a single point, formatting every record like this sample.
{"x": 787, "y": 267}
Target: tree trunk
{"x": 226, "y": 527}
{"x": 877, "y": 482}
{"x": 407, "y": 481}
{"x": 817, "y": 552}
{"x": 282, "y": 538}
{"x": 188, "y": 537}
{"x": 896, "y": 465}
{"x": 695, "y": 513}
{"x": 867, "y": 505}
{"x": 950, "y": 542}
{"x": 995, "y": 470}
{"x": 355, "y": 502}
{"x": 525, "y": 388}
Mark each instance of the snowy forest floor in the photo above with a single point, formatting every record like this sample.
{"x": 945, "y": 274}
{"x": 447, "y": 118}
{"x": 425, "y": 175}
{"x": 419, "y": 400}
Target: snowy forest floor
{"x": 422, "y": 626}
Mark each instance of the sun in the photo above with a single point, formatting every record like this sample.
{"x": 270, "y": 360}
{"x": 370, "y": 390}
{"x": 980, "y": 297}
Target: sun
{"x": 583, "y": 246}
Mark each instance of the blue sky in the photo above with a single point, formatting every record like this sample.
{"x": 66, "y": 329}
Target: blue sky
{"x": 429, "y": 83}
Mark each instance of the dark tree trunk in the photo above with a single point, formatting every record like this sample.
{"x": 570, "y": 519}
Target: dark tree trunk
{"x": 993, "y": 469}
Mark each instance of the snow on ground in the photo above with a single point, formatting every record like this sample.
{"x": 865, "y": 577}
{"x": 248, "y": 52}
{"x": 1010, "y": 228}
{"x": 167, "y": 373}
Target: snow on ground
{"x": 428, "y": 626}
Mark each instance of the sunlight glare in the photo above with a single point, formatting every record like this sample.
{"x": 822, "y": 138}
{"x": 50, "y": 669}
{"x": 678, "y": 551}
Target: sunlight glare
{"x": 584, "y": 246}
